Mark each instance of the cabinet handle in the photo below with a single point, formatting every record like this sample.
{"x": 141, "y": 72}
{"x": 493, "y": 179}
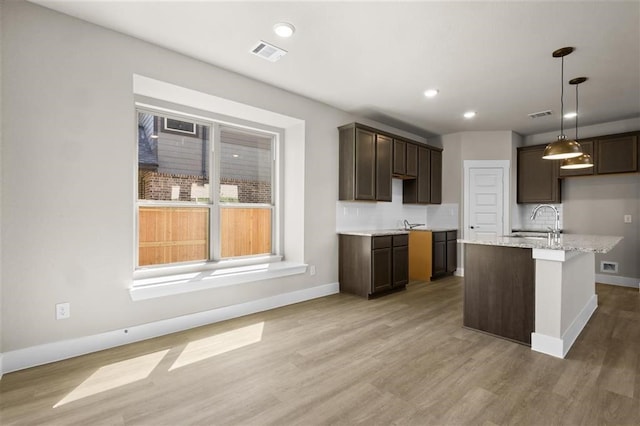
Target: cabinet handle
{"x": 474, "y": 227}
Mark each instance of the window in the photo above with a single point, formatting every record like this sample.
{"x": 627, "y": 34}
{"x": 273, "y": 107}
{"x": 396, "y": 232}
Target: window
{"x": 205, "y": 191}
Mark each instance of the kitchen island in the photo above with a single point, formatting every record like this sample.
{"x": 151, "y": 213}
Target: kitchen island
{"x": 532, "y": 290}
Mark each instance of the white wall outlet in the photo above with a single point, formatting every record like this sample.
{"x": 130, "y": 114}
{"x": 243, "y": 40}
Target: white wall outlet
{"x": 312, "y": 270}
{"x": 63, "y": 310}
{"x": 627, "y": 218}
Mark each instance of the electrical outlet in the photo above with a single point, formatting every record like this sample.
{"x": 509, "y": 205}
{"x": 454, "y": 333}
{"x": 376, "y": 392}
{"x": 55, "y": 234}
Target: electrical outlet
{"x": 627, "y": 218}
{"x": 312, "y": 270}
{"x": 63, "y": 310}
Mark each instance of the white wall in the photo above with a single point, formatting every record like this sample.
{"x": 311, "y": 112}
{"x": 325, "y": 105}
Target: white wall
{"x": 1, "y": 180}
{"x": 458, "y": 147}
{"x": 68, "y": 177}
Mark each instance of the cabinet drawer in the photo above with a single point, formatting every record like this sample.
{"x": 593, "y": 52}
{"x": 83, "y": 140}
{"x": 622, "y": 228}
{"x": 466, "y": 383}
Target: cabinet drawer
{"x": 452, "y": 235}
{"x": 400, "y": 240}
{"x": 381, "y": 242}
{"x": 439, "y": 236}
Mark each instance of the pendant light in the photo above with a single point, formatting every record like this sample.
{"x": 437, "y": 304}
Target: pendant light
{"x": 584, "y": 161}
{"x": 563, "y": 147}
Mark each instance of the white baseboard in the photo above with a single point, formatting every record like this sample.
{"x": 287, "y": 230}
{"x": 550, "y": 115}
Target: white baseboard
{"x": 546, "y": 344}
{"x": 459, "y": 272}
{"x": 56, "y": 351}
{"x": 618, "y": 280}
{"x": 559, "y": 347}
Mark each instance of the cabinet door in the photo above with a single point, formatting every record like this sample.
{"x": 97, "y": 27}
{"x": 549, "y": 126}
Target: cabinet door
{"x": 537, "y": 178}
{"x": 381, "y": 261}
{"x": 452, "y": 256}
{"x": 400, "y": 266}
{"x": 399, "y": 157}
{"x": 587, "y": 148}
{"x": 383, "y": 168}
{"x": 424, "y": 175}
{"x": 439, "y": 258}
{"x": 412, "y": 160}
{"x": 365, "y": 164}
{"x": 617, "y": 155}
{"x": 436, "y": 177}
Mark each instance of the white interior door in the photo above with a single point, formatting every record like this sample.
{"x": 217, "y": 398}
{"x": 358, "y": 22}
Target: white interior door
{"x": 486, "y": 197}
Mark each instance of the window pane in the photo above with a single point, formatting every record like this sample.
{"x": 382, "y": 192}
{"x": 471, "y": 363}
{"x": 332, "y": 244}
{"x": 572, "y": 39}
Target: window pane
{"x": 246, "y": 170}
{"x": 172, "y": 234}
{"x": 246, "y": 161}
{"x": 245, "y": 231}
{"x": 173, "y": 165}
{"x": 173, "y": 159}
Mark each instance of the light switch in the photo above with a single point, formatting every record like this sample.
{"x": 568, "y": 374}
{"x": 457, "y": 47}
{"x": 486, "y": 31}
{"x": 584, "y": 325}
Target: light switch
{"x": 627, "y": 218}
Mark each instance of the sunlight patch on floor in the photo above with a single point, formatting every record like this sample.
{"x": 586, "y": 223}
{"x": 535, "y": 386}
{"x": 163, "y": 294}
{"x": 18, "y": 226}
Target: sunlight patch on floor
{"x": 199, "y": 350}
{"x": 115, "y": 375}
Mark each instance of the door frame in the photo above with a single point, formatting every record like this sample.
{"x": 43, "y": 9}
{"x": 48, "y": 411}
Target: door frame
{"x": 505, "y": 165}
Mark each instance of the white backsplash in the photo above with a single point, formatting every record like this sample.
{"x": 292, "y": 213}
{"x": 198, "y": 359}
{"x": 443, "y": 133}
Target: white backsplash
{"x": 362, "y": 215}
{"x": 545, "y": 218}
{"x": 440, "y": 216}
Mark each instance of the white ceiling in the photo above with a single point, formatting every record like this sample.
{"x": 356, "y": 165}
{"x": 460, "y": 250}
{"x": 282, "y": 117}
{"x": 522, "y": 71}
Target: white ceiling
{"x": 375, "y": 59}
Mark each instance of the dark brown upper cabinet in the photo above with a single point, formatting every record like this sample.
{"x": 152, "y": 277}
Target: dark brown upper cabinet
{"x": 412, "y": 160}
{"x": 405, "y": 161}
{"x": 587, "y": 148}
{"x": 383, "y": 167}
{"x": 362, "y": 157}
{"x": 399, "y": 157}
{"x": 617, "y": 154}
{"x": 418, "y": 191}
{"x": 538, "y": 180}
{"x": 370, "y": 158}
{"x": 436, "y": 177}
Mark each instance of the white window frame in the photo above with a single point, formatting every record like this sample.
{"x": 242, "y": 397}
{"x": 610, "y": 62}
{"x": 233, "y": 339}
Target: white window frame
{"x": 158, "y": 282}
{"x": 214, "y": 205}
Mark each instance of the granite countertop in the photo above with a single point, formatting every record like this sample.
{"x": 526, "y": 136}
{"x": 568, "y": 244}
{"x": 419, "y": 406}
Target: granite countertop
{"x": 375, "y": 233}
{"x": 382, "y": 232}
{"x": 566, "y": 242}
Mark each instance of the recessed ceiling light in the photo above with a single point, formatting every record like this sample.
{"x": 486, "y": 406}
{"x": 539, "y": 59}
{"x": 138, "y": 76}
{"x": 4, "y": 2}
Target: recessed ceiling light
{"x": 469, "y": 114}
{"x": 571, "y": 115}
{"x": 235, "y": 155}
{"x": 430, "y": 93}
{"x": 284, "y": 29}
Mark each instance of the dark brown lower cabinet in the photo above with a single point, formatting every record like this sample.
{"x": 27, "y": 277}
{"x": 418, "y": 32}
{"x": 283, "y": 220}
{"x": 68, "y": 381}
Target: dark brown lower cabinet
{"x": 373, "y": 265}
{"x": 445, "y": 253}
{"x": 499, "y": 291}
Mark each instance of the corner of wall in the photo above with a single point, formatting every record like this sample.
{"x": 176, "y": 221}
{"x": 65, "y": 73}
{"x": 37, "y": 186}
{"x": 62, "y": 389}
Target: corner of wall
{"x": 1, "y": 180}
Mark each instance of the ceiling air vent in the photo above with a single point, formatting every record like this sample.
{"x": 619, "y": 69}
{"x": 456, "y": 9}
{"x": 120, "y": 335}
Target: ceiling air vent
{"x": 268, "y": 51}
{"x": 540, "y": 114}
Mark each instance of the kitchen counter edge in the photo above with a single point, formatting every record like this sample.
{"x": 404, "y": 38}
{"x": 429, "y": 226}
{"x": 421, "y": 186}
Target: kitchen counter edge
{"x": 383, "y": 232}
{"x": 567, "y": 242}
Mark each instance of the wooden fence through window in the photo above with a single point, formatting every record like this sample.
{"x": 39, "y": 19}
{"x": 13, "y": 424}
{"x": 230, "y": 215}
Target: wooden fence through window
{"x": 181, "y": 234}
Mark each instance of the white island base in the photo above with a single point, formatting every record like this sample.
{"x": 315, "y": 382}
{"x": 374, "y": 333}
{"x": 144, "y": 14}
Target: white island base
{"x": 565, "y": 295}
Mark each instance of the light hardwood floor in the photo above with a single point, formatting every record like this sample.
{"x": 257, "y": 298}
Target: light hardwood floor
{"x": 403, "y": 359}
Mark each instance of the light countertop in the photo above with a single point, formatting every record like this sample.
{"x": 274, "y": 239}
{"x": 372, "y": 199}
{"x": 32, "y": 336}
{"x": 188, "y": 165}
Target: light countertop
{"x": 382, "y": 232}
{"x": 566, "y": 242}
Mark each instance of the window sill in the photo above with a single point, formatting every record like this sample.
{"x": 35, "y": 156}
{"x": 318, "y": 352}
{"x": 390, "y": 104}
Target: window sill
{"x": 160, "y": 282}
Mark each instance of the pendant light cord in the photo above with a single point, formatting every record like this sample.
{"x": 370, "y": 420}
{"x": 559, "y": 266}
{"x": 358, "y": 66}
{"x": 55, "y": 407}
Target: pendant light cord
{"x": 577, "y": 111}
{"x": 562, "y": 97}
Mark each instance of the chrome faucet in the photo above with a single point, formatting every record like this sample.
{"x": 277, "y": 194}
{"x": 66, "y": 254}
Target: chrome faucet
{"x": 408, "y": 225}
{"x": 556, "y": 228}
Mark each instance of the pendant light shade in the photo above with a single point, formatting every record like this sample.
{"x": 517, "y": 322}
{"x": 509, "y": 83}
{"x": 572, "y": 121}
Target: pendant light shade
{"x": 584, "y": 161}
{"x": 563, "y": 147}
